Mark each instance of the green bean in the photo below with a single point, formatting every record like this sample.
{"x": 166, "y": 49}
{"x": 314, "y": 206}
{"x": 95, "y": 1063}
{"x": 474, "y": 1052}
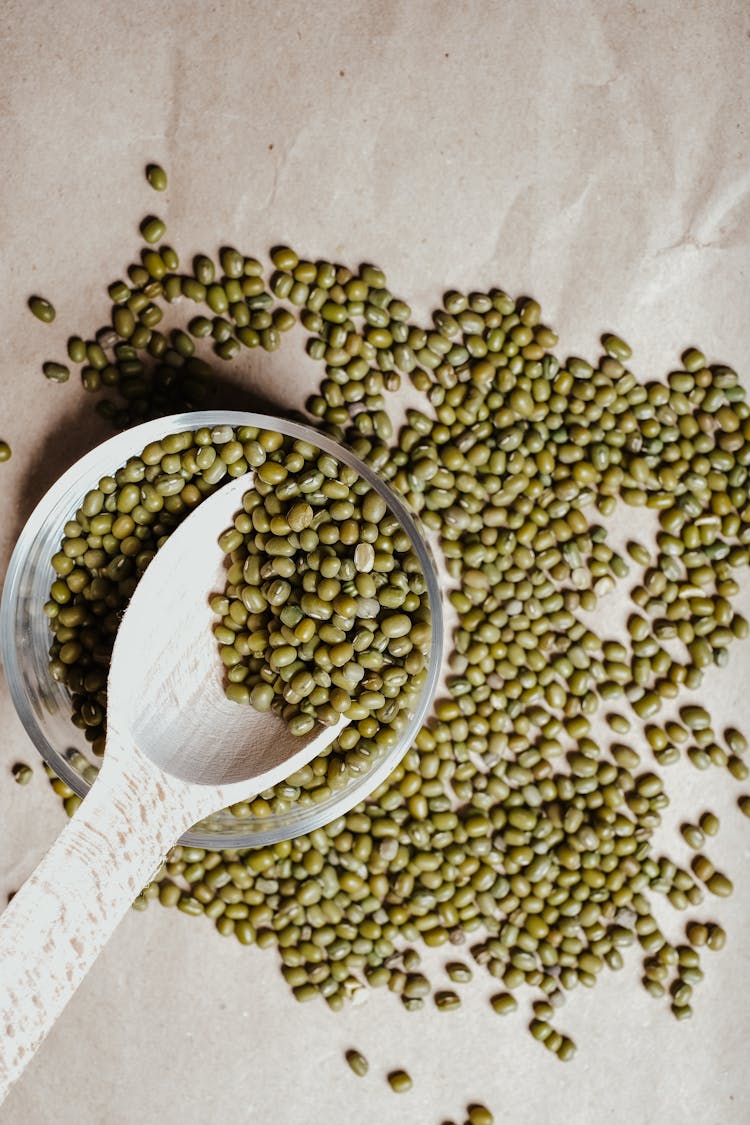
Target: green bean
{"x": 157, "y": 177}
{"x": 716, "y": 938}
{"x": 56, "y": 372}
{"x": 22, "y": 774}
{"x": 719, "y": 884}
{"x": 76, "y": 349}
{"x": 709, "y": 823}
{"x": 447, "y": 1001}
{"x": 123, "y": 322}
{"x": 120, "y": 293}
{"x": 153, "y": 229}
{"x": 695, "y": 718}
{"x": 735, "y": 740}
{"x": 693, "y": 359}
{"x": 42, "y": 309}
{"x": 232, "y": 262}
{"x": 616, "y": 347}
{"x": 566, "y": 1049}
{"x": 738, "y": 768}
{"x": 357, "y": 1062}
{"x": 693, "y": 836}
{"x": 480, "y": 1115}
{"x": 284, "y": 258}
{"x": 504, "y": 1003}
{"x": 400, "y": 1081}
{"x": 169, "y": 894}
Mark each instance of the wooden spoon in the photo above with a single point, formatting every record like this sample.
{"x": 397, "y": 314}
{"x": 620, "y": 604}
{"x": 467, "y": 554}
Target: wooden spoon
{"x": 177, "y": 751}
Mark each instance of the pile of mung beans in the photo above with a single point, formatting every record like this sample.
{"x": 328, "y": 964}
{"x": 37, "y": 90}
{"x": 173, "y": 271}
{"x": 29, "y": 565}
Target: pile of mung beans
{"x": 324, "y": 611}
{"x": 511, "y": 834}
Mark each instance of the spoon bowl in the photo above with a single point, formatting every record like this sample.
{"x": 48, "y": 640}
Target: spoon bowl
{"x": 165, "y": 692}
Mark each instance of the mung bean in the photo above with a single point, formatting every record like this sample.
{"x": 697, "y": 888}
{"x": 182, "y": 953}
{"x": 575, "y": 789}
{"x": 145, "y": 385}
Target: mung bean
{"x": 400, "y": 1081}
{"x": 157, "y": 177}
{"x": 22, "y": 774}
{"x": 42, "y": 309}
{"x": 480, "y": 1115}
{"x": 153, "y": 229}
{"x": 56, "y": 372}
{"x": 357, "y": 1062}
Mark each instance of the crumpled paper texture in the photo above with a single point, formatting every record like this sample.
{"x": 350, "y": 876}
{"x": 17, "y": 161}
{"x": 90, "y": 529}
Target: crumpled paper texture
{"x": 592, "y": 154}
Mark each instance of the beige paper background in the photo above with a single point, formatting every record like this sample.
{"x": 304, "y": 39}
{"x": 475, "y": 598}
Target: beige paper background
{"x": 593, "y": 154}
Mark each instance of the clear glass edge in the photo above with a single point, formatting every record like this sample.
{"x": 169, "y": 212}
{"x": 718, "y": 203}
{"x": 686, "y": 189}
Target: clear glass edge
{"x": 66, "y": 494}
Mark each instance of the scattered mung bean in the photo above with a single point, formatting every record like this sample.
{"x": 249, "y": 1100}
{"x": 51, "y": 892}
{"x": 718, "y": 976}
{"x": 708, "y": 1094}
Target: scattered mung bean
{"x": 42, "y": 309}
{"x": 447, "y": 1001}
{"x": 56, "y": 372}
{"x": 153, "y": 229}
{"x": 480, "y": 1115}
{"x": 709, "y": 823}
{"x": 157, "y": 177}
{"x": 22, "y": 774}
{"x": 357, "y": 1062}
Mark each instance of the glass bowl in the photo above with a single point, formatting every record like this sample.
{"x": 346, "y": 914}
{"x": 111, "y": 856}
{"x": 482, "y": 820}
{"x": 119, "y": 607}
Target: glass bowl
{"x": 43, "y": 704}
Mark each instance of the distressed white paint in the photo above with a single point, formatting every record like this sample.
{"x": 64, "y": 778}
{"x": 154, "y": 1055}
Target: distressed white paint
{"x": 177, "y": 750}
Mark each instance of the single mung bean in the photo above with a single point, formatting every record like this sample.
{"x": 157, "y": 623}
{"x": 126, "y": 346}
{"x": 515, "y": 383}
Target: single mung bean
{"x": 42, "y": 309}
{"x": 719, "y": 884}
{"x": 357, "y": 1062}
{"x": 616, "y": 347}
{"x": 503, "y": 1003}
{"x": 76, "y": 349}
{"x": 693, "y": 836}
{"x": 716, "y": 938}
{"x": 735, "y": 740}
{"x": 22, "y": 774}
{"x": 157, "y": 177}
{"x": 153, "y": 229}
{"x": 709, "y": 823}
{"x": 480, "y": 1115}
{"x": 400, "y": 1081}
{"x": 56, "y": 372}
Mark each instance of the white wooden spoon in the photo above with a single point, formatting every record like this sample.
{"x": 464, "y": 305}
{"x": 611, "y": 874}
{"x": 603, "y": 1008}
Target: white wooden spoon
{"x": 177, "y": 751}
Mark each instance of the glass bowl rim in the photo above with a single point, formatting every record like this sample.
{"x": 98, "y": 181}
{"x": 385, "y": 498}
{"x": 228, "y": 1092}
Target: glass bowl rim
{"x": 68, "y": 490}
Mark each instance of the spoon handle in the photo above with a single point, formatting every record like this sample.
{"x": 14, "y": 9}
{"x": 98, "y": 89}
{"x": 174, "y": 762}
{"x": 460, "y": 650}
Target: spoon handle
{"x": 61, "y": 918}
